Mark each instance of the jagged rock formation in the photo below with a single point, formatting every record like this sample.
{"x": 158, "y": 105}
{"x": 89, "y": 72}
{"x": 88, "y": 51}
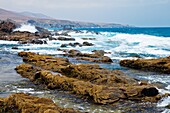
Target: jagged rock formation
{"x": 98, "y": 84}
{"x": 7, "y": 26}
{"x": 161, "y": 65}
{"x": 23, "y": 103}
{"x": 96, "y": 56}
{"x": 25, "y": 37}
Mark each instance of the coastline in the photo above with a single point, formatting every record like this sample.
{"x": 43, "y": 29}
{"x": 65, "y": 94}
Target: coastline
{"x": 72, "y": 55}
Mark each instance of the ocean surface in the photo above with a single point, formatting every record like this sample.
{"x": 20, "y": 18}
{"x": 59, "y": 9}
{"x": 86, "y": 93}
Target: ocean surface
{"x": 121, "y": 43}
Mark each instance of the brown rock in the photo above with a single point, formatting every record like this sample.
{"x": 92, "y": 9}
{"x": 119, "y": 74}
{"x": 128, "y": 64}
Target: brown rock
{"x": 44, "y": 61}
{"x": 101, "y": 85}
{"x": 7, "y": 26}
{"x": 161, "y": 65}
{"x": 24, "y": 103}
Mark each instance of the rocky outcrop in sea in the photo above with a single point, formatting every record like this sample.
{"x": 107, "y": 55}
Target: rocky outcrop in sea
{"x": 100, "y": 85}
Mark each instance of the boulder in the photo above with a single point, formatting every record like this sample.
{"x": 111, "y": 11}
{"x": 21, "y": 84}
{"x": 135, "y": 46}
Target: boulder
{"x": 65, "y": 39}
{"x": 89, "y": 38}
{"x": 37, "y": 41}
{"x": 87, "y": 44}
{"x": 14, "y": 47}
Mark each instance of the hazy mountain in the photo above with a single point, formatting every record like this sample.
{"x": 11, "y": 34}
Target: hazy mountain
{"x": 35, "y": 15}
{"x": 42, "y": 20}
{"x": 4, "y": 14}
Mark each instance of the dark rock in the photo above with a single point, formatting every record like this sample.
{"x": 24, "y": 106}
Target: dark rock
{"x": 65, "y": 39}
{"x": 37, "y": 41}
{"x": 89, "y": 38}
{"x": 7, "y": 26}
{"x": 64, "y": 45}
{"x": 150, "y": 91}
{"x": 87, "y": 44}
{"x": 51, "y": 38}
{"x": 14, "y": 47}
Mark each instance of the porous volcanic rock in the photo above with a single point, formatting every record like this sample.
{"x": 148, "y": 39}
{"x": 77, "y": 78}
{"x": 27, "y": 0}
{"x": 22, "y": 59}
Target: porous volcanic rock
{"x": 161, "y": 65}
{"x": 24, "y": 103}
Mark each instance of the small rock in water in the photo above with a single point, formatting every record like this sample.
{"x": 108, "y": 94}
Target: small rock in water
{"x": 14, "y": 47}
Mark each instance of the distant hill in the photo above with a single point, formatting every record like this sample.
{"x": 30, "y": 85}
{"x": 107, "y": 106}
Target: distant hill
{"x": 4, "y": 14}
{"x": 42, "y": 20}
{"x": 35, "y": 15}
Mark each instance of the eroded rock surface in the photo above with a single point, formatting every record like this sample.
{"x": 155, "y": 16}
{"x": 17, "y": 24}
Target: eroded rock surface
{"x": 7, "y": 33}
{"x": 98, "y": 84}
{"x": 7, "y": 26}
{"x": 161, "y": 65}
{"x": 96, "y": 56}
{"x": 23, "y": 103}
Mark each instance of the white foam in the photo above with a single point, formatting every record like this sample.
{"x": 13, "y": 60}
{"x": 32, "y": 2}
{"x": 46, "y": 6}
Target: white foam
{"x": 164, "y": 102}
{"x": 27, "y": 27}
{"x": 168, "y": 87}
{"x": 166, "y": 111}
{"x": 140, "y": 43}
{"x": 8, "y": 42}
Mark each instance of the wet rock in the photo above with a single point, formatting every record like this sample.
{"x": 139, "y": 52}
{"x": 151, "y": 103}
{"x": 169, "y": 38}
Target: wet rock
{"x": 98, "y": 84}
{"x": 89, "y": 38}
{"x": 23, "y": 37}
{"x": 65, "y": 39}
{"x": 64, "y": 45}
{"x": 75, "y": 44}
{"x": 19, "y": 36}
{"x": 161, "y": 65}
{"x": 36, "y": 41}
{"x": 14, "y": 47}
{"x": 46, "y": 62}
{"x": 51, "y": 38}
{"x": 104, "y": 59}
{"x": 24, "y": 103}
{"x": 87, "y": 44}
{"x": 85, "y": 84}
{"x": 7, "y": 26}
{"x": 97, "y": 56}
{"x": 99, "y": 52}
{"x": 73, "y": 53}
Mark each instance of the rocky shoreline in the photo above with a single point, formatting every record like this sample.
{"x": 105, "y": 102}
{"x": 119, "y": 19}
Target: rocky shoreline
{"x": 24, "y": 103}
{"x": 102, "y": 86}
{"x": 161, "y": 65}
{"x": 89, "y": 81}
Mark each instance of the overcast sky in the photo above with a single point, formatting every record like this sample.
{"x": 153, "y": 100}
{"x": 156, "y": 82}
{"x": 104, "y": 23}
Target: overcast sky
{"x": 132, "y": 12}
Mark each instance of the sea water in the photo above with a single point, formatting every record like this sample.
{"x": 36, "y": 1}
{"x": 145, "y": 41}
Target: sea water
{"x": 120, "y": 43}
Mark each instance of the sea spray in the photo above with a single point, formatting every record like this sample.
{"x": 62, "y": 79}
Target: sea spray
{"x": 27, "y": 27}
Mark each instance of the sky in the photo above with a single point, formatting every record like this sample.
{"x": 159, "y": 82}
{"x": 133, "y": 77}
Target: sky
{"x": 144, "y": 13}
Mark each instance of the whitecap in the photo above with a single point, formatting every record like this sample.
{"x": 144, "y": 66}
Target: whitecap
{"x": 164, "y": 102}
{"x": 27, "y": 27}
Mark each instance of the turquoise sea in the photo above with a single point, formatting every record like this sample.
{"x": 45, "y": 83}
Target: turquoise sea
{"x": 121, "y": 43}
